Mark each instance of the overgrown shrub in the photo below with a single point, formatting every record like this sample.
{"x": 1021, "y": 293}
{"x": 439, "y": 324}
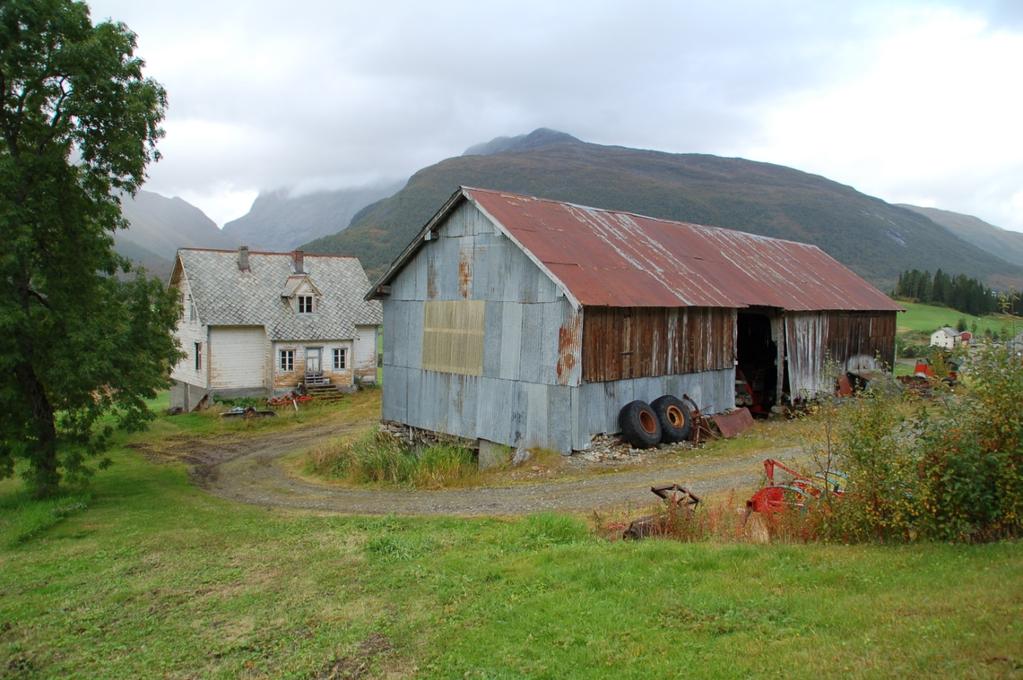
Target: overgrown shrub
{"x": 378, "y": 457}
{"x": 950, "y": 470}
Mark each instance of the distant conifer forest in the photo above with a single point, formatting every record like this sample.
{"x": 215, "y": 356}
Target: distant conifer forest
{"x": 960, "y": 292}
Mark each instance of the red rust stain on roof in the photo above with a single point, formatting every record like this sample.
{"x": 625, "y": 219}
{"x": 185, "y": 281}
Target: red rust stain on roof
{"x": 618, "y": 259}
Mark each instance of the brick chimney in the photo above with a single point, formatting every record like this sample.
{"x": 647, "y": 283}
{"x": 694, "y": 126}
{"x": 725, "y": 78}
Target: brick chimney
{"x": 243, "y": 258}
{"x": 298, "y": 260}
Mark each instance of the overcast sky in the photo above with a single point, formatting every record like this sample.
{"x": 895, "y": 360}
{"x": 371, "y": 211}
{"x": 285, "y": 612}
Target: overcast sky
{"x": 917, "y": 102}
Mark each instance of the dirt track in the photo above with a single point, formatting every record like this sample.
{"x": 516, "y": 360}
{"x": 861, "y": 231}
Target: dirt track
{"x": 249, "y": 470}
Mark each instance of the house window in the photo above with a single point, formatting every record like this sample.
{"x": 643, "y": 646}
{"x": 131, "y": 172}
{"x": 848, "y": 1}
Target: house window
{"x": 287, "y": 360}
{"x": 305, "y": 304}
{"x": 340, "y": 359}
{"x": 191, "y": 309}
{"x": 198, "y": 356}
{"x": 453, "y": 336}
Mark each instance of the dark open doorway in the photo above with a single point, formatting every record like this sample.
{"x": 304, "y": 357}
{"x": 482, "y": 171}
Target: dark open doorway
{"x": 756, "y": 375}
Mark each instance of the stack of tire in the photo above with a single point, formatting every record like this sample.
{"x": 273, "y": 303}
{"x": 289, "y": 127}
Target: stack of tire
{"x": 666, "y": 419}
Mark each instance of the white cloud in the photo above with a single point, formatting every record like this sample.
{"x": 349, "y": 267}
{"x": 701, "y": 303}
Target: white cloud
{"x": 901, "y": 100}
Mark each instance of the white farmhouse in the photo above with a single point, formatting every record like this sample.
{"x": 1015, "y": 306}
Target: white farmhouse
{"x": 255, "y": 323}
{"x": 946, "y": 337}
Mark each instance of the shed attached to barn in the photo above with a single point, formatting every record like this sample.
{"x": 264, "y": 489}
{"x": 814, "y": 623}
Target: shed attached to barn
{"x": 530, "y": 322}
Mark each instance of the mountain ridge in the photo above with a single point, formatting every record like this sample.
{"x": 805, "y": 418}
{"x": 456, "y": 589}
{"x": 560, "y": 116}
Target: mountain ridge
{"x": 158, "y": 226}
{"x": 1000, "y": 242}
{"x": 876, "y": 239}
{"x": 280, "y": 220}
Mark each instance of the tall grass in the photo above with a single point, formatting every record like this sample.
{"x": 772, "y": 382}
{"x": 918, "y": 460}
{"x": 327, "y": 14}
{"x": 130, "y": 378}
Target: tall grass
{"x": 23, "y": 519}
{"x": 378, "y": 458}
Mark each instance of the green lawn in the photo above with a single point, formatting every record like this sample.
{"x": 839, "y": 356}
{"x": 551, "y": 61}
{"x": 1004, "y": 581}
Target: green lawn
{"x": 923, "y": 318}
{"x": 148, "y": 576}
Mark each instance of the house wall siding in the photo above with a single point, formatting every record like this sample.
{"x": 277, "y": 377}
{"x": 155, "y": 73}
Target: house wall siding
{"x": 288, "y": 380}
{"x": 188, "y": 332}
{"x": 364, "y": 360}
{"x": 237, "y": 357}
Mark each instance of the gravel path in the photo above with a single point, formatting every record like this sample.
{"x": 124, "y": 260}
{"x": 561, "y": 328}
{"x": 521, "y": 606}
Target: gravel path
{"x": 250, "y": 471}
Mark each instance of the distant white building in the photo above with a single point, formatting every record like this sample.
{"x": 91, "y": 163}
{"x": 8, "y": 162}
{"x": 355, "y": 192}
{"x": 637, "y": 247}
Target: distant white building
{"x": 255, "y": 323}
{"x": 946, "y": 337}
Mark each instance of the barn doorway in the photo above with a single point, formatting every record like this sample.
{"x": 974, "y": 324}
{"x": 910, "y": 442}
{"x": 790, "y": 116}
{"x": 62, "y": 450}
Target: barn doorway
{"x": 756, "y": 372}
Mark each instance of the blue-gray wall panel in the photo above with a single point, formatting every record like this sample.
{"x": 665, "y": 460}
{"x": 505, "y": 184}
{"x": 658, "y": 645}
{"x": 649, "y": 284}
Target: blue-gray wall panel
{"x": 531, "y": 345}
{"x": 395, "y": 397}
{"x": 510, "y": 340}
{"x": 599, "y": 403}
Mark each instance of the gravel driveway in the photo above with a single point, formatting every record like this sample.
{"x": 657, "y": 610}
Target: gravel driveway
{"x": 250, "y": 471}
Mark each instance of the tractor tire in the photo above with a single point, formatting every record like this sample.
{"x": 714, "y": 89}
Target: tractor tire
{"x": 675, "y": 418}
{"x": 639, "y": 424}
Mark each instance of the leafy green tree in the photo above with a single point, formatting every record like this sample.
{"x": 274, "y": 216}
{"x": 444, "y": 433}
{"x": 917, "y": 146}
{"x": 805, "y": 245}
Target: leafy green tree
{"x": 80, "y": 349}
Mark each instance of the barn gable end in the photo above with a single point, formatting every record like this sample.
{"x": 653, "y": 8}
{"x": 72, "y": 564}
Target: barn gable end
{"x": 470, "y": 277}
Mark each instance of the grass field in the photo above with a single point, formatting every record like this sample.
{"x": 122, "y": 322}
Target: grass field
{"x": 921, "y": 318}
{"x": 146, "y": 575}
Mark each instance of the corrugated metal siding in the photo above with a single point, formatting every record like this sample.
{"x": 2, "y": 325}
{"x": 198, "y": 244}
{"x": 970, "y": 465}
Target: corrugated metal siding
{"x": 623, "y": 343}
{"x": 531, "y": 341}
{"x": 595, "y": 406}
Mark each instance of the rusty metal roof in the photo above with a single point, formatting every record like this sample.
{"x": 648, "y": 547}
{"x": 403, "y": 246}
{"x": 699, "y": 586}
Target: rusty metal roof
{"x": 619, "y": 259}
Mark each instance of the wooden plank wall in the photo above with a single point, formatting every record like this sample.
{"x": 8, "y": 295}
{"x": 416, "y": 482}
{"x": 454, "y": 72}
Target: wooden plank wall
{"x": 870, "y": 334}
{"x": 624, "y": 343}
{"x": 849, "y": 339}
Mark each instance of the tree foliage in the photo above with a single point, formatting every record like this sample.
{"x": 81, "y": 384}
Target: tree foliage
{"x": 959, "y": 292}
{"x": 80, "y": 349}
{"x": 948, "y": 470}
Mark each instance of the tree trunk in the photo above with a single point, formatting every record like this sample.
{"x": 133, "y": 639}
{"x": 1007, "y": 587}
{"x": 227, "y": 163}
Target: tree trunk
{"x": 44, "y": 477}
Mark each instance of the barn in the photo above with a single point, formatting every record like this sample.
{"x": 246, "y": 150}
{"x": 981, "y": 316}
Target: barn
{"x": 529, "y": 322}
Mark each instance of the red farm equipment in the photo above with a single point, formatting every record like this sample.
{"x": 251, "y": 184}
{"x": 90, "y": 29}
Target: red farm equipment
{"x": 795, "y": 493}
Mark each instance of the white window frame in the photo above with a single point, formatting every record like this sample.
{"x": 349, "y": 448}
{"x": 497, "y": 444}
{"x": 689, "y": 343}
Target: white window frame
{"x": 198, "y": 356}
{"x": 311, "y": 304}
{"x": 342, "y": 354}
{"x": 286, "y": 360}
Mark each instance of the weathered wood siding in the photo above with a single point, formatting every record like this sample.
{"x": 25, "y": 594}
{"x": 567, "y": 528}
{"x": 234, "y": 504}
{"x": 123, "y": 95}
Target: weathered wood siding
{"x": 850, "y": 340}
{"x": 639, "y": 342}
{"x": 237, "y": 357}
{"x": 853, "y": 336}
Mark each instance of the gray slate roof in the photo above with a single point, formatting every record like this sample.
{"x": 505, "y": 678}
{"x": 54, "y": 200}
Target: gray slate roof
{"x": 225, "y": 295}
